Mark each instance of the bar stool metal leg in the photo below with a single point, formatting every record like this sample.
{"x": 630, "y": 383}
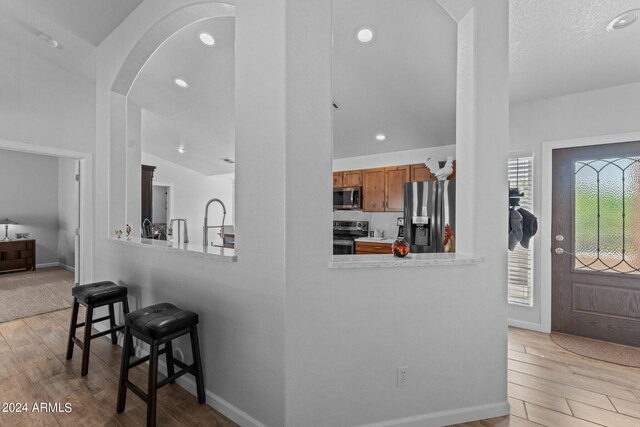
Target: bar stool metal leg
{"x": 72, "y": 328}
{"x": 86, "y": 345}
{"x": 124, "y": 371}
{"x": 197, "y": 361}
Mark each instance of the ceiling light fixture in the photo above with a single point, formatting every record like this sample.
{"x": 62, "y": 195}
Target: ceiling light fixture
{"x": 181, "y": 82}
{"x": 381, "y": 137}
{"x": 624, "y": 20}
{"x": 181, "y": 149}
{"x": 49, "y": 41}
{"x": 365, "y": 34}
{"x": 207, "y": 39}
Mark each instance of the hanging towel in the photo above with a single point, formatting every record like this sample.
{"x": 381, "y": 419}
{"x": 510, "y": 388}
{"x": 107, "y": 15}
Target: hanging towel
{"x": 529, "y": 227}
{"x": 515, "y": 228}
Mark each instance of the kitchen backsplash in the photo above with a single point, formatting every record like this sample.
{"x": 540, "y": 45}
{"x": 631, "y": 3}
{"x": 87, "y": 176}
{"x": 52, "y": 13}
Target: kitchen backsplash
{"x": 385, "y": 221}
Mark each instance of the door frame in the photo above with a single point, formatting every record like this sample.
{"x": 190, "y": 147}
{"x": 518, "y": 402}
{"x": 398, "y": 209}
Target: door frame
{"x": 546, "y": 214}
{"x": 85, "y": 243}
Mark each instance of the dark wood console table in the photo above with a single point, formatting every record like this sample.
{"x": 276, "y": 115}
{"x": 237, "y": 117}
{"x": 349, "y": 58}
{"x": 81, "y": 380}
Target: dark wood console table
{"x": 18, "y": 255}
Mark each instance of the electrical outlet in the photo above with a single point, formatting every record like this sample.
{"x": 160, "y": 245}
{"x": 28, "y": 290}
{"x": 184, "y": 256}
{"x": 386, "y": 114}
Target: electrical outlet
{"x": 402, "y": 376}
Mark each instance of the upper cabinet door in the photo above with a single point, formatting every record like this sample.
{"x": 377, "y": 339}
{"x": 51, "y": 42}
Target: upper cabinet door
{"x": 421, "y": 172}
{"x": 396, "y": 177}
{"x": 352, "y": 179}
{"x": 373, "y": 190}
{"x": 337, "y": 179}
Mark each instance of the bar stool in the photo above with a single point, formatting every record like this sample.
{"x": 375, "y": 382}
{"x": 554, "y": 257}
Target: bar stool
{"x": 92, "y": 296}
{"x": 157, "y": 325}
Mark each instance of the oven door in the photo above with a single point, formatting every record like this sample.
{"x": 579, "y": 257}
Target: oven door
{"x": 343, "y": 247}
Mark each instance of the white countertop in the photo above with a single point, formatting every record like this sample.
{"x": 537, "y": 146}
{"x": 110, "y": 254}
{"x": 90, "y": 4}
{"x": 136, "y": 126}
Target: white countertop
{"x": 375, "y": 240}
{"x": 189, "y": 249}
{"x": 411, "y": 260}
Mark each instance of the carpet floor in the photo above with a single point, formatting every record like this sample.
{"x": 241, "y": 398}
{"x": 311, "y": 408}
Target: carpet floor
{"x": 27, "y": 293}
{"x": 600, "y": 350}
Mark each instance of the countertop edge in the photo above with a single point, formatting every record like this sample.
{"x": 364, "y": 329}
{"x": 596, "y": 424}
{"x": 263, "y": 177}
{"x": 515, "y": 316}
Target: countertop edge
{"x": 391, "y": 261}
{"x": 186, "y": 252}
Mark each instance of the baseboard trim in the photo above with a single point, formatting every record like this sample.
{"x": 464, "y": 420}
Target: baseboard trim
{"x": 445, "y": 418}
{"x": 66, "y": 267}
{"x": 525, "y": 325}
{"x": 47, "y": 264}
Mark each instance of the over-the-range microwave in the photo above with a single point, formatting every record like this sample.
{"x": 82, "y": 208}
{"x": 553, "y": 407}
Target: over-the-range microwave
{"x": 347, "y": 198}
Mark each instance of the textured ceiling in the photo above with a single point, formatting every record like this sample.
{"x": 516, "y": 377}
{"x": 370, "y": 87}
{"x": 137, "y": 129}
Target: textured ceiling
{"x": 562, "y": 47}
{"x": 201, "y": 117}
{"x": 402, "y": 84}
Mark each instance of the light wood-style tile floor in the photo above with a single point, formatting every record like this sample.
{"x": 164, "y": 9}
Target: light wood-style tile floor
{"x": 547, "y": 385}
{"x": 550, "y": 386}
{"x": 33, "y": 369}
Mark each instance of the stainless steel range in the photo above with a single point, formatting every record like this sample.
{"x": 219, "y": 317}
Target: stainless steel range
{"x": 345, "y": 233}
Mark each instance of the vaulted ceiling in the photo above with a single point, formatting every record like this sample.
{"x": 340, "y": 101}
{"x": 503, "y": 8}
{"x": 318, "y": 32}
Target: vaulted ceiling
{"x": 402, "y": 84}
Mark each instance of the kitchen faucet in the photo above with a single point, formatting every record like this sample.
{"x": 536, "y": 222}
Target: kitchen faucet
{"x": 205, "y": 229}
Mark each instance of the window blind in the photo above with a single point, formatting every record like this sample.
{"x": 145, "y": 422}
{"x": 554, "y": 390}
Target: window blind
{"x": 520, "y": 261}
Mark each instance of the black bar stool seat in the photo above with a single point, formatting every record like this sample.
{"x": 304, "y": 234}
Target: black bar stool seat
{"x": 158, "y": 325}
{"x": 96, "y": 293}
{"x": 92, "y": 296}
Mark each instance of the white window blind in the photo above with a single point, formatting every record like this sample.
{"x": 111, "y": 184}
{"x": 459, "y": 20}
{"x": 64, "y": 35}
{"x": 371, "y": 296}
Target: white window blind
{"x": 520, "y": 262}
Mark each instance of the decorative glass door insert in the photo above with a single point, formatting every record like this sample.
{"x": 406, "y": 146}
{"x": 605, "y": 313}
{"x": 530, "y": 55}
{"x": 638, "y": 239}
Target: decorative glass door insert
{"x": 607, "y": 217}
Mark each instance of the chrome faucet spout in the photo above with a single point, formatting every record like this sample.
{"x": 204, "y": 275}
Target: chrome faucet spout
{"x": 206, "y": 227}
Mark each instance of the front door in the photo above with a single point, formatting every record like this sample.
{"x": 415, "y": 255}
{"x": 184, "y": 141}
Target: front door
{"x": 596, "y": 242}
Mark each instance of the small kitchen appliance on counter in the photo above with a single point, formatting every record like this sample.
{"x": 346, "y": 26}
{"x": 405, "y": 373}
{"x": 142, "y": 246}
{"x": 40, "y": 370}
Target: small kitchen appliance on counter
{"x": 400, "y": 224}
{"x": 345, "y": 233}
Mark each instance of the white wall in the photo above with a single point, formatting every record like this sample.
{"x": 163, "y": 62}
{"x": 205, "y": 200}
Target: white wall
{"x": 607, "y": 111}
{"x": 67, "y": 211}
{"x": 348, "y": 330}
{"x": 241, "y": 305}
{"x": 190, "y": 192}
{"x": 30, "y": 197}
{"x": 386, "y": 221}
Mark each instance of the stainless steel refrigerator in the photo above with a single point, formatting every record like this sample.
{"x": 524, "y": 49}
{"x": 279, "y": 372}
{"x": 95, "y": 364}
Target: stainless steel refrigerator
{"x": 428, "y": 207}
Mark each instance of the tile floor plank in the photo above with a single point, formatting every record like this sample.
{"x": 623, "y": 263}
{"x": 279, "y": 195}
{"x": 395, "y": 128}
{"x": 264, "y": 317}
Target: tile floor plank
{"x": 547, "y": 417}
{"x": 538, "y": 397}
{"x": 602, "y": 416}
{"x": 562, "y": 390}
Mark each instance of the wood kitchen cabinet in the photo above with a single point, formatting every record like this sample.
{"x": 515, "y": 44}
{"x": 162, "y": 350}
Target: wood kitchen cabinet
{"x": 337, "y": 179}
{"x": 395, "y": 178}
{"x": 347, "y": 179}
{"x": 420, "y": 172}
{"x": 352, "y": 178}
{"x": 373, "y": 190}
{"x": 365, "y": 248}
{"x": 383, "y": 189}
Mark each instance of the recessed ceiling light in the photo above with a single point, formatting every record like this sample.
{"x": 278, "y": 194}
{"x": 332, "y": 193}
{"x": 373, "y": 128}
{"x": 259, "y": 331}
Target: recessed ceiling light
{"x": 365, "y": 34}
{"x": 207, "y": 39}
{"x": 181, "y": 149}
{"x": 181, "y": 82}
{"x": 381, "y": 137}
{"x": 623, "y": 20}
{"x": 49, "y": 41}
